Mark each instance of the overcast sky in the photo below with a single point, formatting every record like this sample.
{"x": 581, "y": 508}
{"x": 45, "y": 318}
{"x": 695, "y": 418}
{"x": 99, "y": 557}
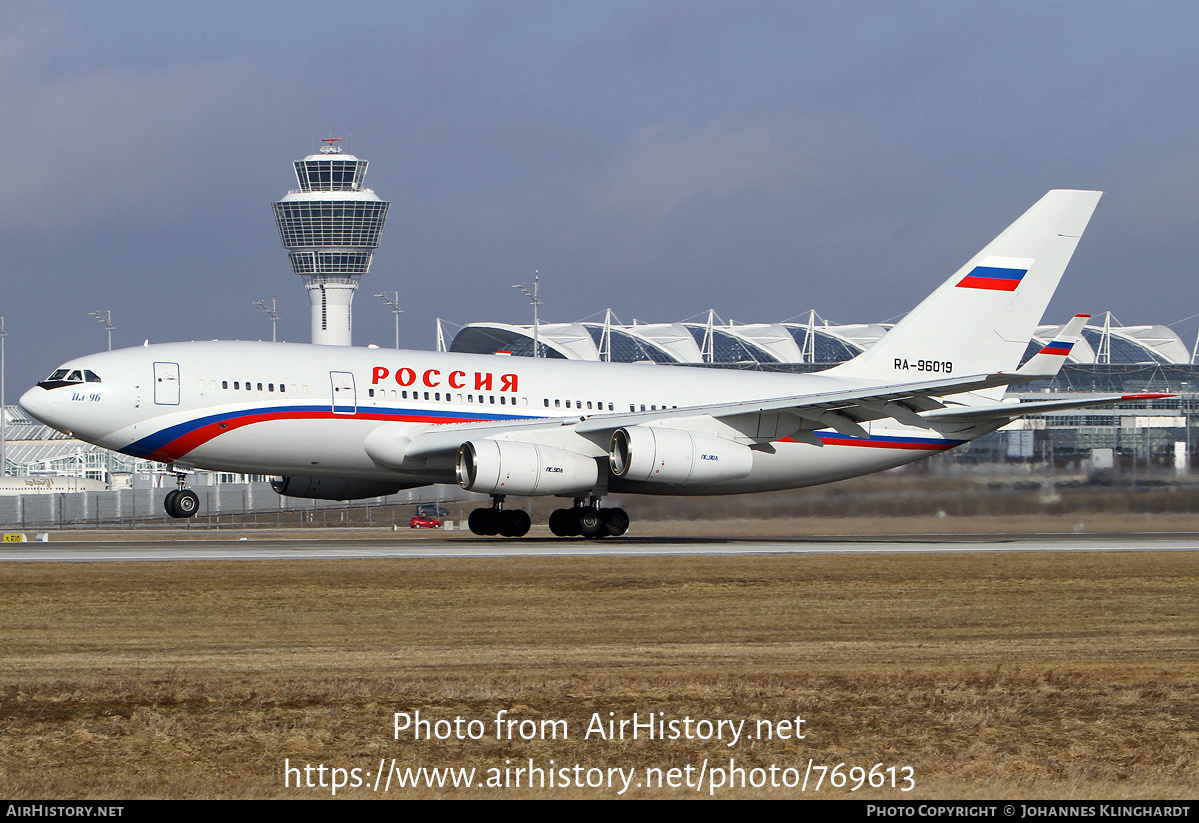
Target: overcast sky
{"x": 658, "y": 158}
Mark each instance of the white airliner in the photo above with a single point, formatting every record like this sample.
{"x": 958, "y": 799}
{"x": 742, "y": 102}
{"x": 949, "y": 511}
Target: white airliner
{"x": 345, "y": 423}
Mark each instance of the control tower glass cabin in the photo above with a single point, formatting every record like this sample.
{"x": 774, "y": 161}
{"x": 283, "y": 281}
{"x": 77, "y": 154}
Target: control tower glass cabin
{"x": 331, "y": 227}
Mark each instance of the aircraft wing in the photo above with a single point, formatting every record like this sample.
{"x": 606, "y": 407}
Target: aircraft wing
{"x": 750, "y": 422}
{"x": 1010, "y": 411}
{"x": 901, "y": 401}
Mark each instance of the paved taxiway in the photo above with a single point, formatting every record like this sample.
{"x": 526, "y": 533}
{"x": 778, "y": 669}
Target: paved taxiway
{"x": 299, "y": 549}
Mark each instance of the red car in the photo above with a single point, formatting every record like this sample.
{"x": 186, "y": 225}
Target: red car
{"x": 419, "y": 521}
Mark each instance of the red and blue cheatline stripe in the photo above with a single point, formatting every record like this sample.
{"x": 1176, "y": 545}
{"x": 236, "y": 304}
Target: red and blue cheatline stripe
{"x": 992, "y": 278}
{"x": 175, "y": 441}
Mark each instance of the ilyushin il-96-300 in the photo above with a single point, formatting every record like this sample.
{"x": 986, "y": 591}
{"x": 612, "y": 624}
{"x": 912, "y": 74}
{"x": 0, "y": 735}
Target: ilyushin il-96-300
{"x": 341, "y": 423}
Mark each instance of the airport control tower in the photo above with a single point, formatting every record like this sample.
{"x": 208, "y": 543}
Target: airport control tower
{"x": 331, "y": 227}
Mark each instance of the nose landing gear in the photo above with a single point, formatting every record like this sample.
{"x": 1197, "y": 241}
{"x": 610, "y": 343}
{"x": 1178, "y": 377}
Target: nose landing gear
{"x": 182, "y": 502}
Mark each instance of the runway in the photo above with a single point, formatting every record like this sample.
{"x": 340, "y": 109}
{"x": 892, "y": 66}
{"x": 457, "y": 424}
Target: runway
{"x": 437, "y": 547}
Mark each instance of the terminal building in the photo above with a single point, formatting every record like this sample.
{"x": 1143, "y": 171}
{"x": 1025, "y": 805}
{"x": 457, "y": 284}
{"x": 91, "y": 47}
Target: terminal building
{"x": 786, "y": 346}
{"x": 1110, "y": 359}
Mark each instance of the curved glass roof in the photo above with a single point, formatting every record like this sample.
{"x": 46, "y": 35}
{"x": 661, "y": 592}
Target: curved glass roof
{"x": 489, "y": 340}
{"x": 626, "y": 348}
{"x": 825, "y": 347}
{"x": 727, "y": 348}
{"x": 1122, "y": 349}
{"x": 768, "y": 345}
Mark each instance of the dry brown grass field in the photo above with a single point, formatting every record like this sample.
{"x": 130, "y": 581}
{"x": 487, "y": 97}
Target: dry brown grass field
{"x": 1072, "y": 675}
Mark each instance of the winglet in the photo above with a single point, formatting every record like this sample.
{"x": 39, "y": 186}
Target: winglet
{"x": 1048, "y": 361}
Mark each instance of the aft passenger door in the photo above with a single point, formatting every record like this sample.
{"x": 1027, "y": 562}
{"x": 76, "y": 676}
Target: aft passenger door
{"x": 345, "y": 398}
{"x": 166, "y": 384}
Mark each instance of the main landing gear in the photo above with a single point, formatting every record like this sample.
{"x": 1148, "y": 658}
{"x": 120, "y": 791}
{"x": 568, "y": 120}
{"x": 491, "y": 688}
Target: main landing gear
{"x": 182, "y": 502}
{"x": 585, "y": 519}
{"x": 498, "y": 520}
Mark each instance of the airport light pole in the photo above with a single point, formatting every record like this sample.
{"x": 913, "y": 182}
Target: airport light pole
{"x": 271, "y": 313}
{"x": 394, "y": 305}
{"x": 532, "y": 295}
{"x": 105, "y": 317}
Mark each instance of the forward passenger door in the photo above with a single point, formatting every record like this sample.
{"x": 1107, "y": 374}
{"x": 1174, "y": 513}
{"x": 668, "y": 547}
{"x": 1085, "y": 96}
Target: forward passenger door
{"x": 345, "y": 397}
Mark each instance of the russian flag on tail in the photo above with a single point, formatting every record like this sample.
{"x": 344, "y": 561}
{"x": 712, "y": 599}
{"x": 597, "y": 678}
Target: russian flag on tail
{"x": 1057, "y": 347}
{"x": 996, "y": 274}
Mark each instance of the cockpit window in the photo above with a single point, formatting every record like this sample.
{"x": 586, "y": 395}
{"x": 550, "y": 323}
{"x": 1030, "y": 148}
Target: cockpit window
{"x": 66, "y": 377}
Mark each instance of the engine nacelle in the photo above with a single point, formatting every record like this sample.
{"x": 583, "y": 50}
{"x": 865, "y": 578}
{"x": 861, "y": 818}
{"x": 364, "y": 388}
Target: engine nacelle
{"x": 651, "y": 454}
{"x": 334, "y": 488}
{"x": 525, "y": 469}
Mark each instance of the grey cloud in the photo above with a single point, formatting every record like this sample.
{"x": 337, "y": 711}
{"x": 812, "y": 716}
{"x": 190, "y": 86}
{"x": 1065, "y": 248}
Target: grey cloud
{"x": 107, "y": 142}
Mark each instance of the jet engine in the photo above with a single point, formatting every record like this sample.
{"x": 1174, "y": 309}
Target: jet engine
{"x": 652, "y": 454}
{"x": 525, "y": 469}
{"x": 334, "y": 488}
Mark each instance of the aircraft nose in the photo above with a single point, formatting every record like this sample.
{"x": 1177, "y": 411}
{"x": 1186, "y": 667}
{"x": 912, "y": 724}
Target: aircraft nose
{"x": 37, "y": 402}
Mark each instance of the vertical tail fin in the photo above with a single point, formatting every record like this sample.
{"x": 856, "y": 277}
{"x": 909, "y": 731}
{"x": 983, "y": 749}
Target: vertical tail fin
{"x": 980, "y": 320}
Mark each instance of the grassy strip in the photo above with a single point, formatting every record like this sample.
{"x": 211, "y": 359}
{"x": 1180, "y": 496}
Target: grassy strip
{"x": 1022, "y": 675}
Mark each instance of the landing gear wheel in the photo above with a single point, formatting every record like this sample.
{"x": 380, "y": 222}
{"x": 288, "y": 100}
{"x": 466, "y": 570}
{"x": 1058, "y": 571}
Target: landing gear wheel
{"x": 187, "y": 503}
{"x": 182, "y": 503}
{"x": 514, "y": 523}
{"x": 616, "y": 521}
{"x": 563, "y": 524}
{"x": 589, "y": 521}
{"x": 484, "y": 522}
